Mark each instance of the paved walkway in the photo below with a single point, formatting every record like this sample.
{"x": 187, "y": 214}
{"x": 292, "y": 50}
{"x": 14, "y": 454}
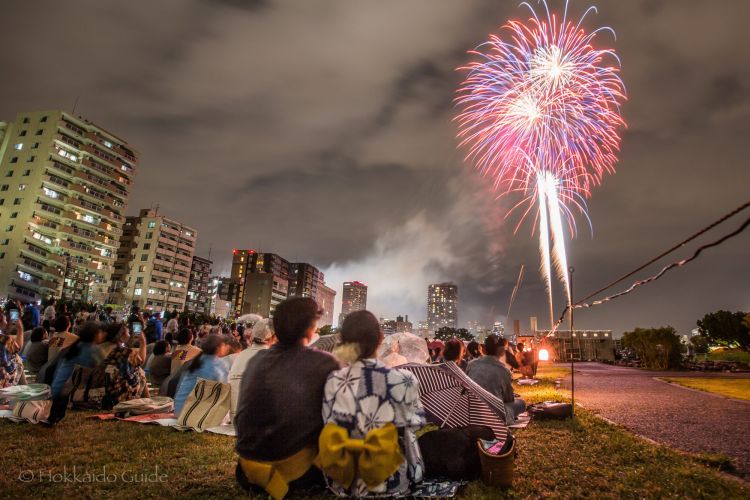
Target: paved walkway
{"x": 685, "y": 419}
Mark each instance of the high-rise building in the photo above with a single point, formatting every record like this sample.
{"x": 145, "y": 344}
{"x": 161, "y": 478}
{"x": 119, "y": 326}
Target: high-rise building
{"x": 154, "y": 262}
{"x": 353, "y": 298}
{"x": 304, "y": 280}
{"x": 403, "y": 324}
{"x": 263, "y": 281}
{"x": 64, "y": 188}
{"x": 442, "y": 306}
{"x": 326, "y": 298}
{"x": 198, "y": 294}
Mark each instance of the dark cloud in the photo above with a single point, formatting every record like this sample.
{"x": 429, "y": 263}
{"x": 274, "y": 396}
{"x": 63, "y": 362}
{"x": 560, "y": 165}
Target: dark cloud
{"x": 322, "y": 130}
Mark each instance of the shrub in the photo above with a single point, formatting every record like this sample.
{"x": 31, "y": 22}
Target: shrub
{"x": 657, "y": 348}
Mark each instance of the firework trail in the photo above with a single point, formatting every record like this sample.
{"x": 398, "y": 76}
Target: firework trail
{"x": 540, "y": 113}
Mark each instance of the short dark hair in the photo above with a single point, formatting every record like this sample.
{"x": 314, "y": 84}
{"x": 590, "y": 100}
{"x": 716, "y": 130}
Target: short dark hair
{"x": 474, "y": 348}
{"x": 160, "y": 347}
{"x": 293, "y": 318}
{"x": 454, "y": 350}
{"x": 493, "y": 345}
{"x": 38, "y": 333}
{"x": 89, "y": 330}
{"x": 184, "y": 336}
{"x": 362, "y": 328}
{"x": 114, "y": 331}
{"x": 62, "y": 323}
{"x": 209, "y": 347}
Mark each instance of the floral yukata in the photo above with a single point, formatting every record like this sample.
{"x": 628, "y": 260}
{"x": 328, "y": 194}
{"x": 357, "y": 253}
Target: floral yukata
{"x": 367, "y": 395}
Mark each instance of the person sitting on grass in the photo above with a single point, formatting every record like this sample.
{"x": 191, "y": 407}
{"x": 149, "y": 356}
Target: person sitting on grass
{"x": 159, "y": 363}
{"x": 79, "y": 353}
{"x": 263, "y": 338}
{"x": 62, "y": 338}
{"x": 11, "y": 364}
{"x": 494, "y": 377}
{"x": 454, "y": 351}
{"x": 37, "y": 349}
{"x": 279, "y": 412}
{"x": 185, "y": 350}
{"x": 208, "y": 365}
{"x": 369, "y": 402}
{"x": 474, "y": 350}
{"x": 121, "y": 370}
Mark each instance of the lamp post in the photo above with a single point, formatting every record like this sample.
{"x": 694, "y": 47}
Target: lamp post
{"x": 571, "y": 270}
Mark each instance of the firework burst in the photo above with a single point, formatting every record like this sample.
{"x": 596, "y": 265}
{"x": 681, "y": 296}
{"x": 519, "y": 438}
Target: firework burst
{"x": 539, "y": 115}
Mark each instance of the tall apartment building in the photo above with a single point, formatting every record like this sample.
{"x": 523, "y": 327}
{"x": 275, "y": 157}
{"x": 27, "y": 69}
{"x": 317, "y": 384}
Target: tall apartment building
{"x": 442, "y": 306}
{"x": 198, "y": 293}
{"x": 304, "y": 280}
{"x": 154, "y": 262}
{"x": 64, "y": 188}
{"x": 326, "y": 298}
{"x": 263, "y": 281}
{"x": 353, "y": 298}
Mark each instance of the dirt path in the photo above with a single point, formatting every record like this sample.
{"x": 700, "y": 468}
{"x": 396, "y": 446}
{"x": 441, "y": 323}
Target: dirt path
{"x": 685, "y": 419}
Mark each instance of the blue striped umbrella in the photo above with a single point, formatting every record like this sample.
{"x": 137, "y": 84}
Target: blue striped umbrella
{"x": 451, "y": 399}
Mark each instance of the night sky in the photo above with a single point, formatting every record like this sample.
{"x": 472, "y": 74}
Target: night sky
{"x": 321, "y": 130}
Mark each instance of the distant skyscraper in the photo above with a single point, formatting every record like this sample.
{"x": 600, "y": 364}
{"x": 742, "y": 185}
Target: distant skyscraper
{"x": 354, "y": 298}
{"x": 442, "y": 306}
{"x": 326, "y": 298}
{"x": 154, "y": 262}
{"x": 263, "y": 281}
{"x": 304, "y": 280}
{"x": 64, "y": 190}
{"x": 199, "y": 293}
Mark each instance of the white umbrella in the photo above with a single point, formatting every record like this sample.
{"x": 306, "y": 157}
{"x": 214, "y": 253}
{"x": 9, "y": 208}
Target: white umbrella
{"x": 249, "y": 318}
{"x": 400, "y": 348}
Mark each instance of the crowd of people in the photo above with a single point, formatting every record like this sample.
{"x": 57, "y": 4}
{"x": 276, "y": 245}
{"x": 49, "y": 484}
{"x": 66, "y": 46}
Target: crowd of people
{"x": 297, "y": 410}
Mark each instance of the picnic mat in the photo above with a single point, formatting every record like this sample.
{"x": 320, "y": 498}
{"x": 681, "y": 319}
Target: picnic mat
{"x": 165, "y": 420}
{"x": 521, "y": 421}
{"x": 527, "y": 381}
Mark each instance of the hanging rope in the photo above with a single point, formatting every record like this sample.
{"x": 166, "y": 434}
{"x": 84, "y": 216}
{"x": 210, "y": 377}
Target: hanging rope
{"x": 680, "y": 263}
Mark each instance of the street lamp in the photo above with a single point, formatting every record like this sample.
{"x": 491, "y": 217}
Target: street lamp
{"x": 571, "y": 270}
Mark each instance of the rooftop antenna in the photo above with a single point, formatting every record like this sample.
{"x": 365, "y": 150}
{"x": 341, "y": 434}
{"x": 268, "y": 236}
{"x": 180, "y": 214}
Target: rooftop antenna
{"x": 210, "y": 248}
{"x": 75, "y": 105}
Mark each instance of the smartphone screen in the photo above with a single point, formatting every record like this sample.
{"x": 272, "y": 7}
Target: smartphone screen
{"x": 137, "y": 327}
{"x": 14, "y": 315}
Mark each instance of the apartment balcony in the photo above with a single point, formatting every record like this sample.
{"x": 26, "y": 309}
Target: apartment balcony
{"x": 68, "y": 141}
{"x": 160, "y": 274}
{"x": 107, "y": 170}
{"x": 48, "y": 210}
{"x": 186, "y": 248}
{"x": 76, "y": 249}
{"x": 61, "y": 168}
{"x": 70, "y": 127}
{"x": 32, "y": 265}
{"x": 109, "y": 161}
{"x": 84, "y": 205}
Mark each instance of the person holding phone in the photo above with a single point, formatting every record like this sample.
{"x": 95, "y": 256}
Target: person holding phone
{"x": 62, "y": 338}
{"x": 11, "y": 343}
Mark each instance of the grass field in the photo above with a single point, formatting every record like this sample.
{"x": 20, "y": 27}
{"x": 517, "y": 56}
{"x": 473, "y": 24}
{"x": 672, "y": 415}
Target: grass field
{"x": 582, "y": 458}
{"x": 738, "y": 388}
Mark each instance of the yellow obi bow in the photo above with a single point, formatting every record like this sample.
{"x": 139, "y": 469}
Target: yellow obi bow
{"x": 373, "y": 459}
{"x": 274, "y": 477}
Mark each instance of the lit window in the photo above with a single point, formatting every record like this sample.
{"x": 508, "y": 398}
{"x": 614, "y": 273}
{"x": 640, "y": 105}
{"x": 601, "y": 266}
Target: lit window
{"x": 50, "y": 193}
{"x": 107, "y": 143}
{"x": 22, "y": 187}
{"x": 41, "y": 237}
{"x": 24, "y": 276}
{"x": 137, "y": 291}
{"x": 151, "y": 224}
{"x": 89, "y": 218}
{"x": 18, "y": 147}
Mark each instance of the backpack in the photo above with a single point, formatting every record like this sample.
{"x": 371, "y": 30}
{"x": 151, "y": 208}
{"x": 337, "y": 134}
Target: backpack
{"x": 550, "y": 410}
{"x": 27, "y": 319}
{"x": 150, "y": 332}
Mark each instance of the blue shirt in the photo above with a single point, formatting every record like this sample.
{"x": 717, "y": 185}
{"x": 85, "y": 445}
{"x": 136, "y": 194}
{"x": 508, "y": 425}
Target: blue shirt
{"x": 158, "y": 329}
{"x": 212, "y": 368}
{"x": 65, "y": 366}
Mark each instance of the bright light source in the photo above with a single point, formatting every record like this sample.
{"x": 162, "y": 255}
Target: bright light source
{"x": 543, "y": 355}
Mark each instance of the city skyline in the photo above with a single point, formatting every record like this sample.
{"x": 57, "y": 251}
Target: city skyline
{"x": 369, "y": 129}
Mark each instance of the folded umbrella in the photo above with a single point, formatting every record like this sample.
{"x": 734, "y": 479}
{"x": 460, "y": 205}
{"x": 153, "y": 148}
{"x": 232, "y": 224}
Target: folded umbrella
{"x": 451, "y": 399}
